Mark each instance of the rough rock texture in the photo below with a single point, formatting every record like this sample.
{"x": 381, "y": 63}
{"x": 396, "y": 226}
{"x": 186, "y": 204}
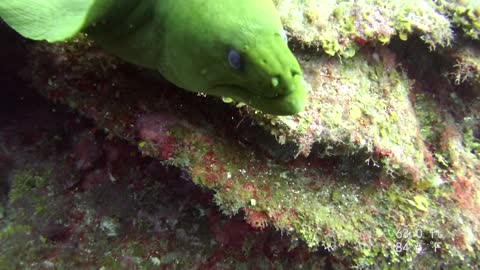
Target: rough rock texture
{"x": 382, "y": 169}
{"x": 343, "y": 26}
{"x": 72, "y": 197}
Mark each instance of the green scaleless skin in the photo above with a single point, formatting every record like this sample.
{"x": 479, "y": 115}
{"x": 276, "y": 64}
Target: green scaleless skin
{"x": 187, "y": 41}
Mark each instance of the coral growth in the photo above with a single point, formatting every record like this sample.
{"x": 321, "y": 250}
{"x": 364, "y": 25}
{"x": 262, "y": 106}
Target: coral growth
{"x": 382, "y": 169}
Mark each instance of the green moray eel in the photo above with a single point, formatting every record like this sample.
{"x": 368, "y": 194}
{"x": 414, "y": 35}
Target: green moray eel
{"x": 225, "y": 48}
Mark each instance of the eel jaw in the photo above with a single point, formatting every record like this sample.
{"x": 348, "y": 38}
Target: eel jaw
{"x": 290, "y": 103}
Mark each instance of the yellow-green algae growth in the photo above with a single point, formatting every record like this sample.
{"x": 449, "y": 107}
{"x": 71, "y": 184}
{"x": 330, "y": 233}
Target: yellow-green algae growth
{"x": 339, "y": 27}
{"x": 392, "y": 163}
{"x": 381, "y": 170}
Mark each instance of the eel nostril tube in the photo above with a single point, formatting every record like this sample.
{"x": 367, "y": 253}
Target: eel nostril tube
{"x": 275, "y": 81}
{"x": 294, "y": 72}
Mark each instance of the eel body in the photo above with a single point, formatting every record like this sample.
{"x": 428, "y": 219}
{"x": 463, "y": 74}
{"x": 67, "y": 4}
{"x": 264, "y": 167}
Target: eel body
{"x": 227, "y": 48}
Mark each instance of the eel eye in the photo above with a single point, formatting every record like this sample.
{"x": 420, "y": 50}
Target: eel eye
{"x": 234, "y": 59}
{"x": 284, "y": 36}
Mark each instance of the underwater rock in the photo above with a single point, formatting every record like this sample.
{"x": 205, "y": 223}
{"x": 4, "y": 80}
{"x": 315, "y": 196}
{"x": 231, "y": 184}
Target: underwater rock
{"x": 382, "y": 169}
{"x": 153, "y": 128}
{"x": 122, "y": 211}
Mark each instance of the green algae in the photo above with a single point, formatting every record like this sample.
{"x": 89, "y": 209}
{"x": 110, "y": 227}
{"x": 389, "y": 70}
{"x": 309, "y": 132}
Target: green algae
{"x": 23, "y": 183}
{"x": 382, "y": 149}
{"x": 466, "y": 69}
{"x": 367, "y": 178}
{"x": 26, "y": 205}
{"x": 363, "y": 104}
{"x": 465, "y": 14}
{"x": 185, "y": 241}
{"x": 341, "y": 27}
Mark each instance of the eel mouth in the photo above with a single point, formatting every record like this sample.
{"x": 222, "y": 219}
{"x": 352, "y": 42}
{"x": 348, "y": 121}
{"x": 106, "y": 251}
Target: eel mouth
{"x": 244, "y": 91}
{"x": 288, "y": 103}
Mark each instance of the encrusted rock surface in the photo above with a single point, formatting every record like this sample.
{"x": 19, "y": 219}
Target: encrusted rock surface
{"x": 382, "y": 169}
